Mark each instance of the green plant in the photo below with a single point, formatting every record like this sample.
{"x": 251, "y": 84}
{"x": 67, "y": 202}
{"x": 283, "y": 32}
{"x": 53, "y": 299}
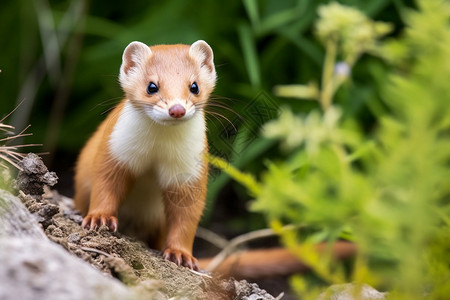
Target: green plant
{"x": 346, "y": 32}
{"x": 386, "y": 189}
{"x": 277, "y": 46}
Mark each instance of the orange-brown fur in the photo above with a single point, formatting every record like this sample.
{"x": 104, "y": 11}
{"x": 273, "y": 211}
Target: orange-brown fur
{"x": 103, "y": 183}
{"x": 184, "y": 206}
{"x": 100, "y": 182}
{"x": 105, "y": 175}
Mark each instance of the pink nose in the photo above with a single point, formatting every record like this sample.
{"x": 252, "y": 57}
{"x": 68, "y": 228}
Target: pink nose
{"x": 177, "y": 111}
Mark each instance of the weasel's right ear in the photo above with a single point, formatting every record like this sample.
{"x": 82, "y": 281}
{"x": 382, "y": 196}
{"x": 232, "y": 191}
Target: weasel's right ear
{"x": 134, "y": 57}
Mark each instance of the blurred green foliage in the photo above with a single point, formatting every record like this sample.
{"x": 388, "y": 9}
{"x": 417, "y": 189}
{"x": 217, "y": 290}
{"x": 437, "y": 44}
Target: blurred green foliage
{"x": 386, "y": 188}
{"x": 61, "y": 58}
{"x": 356, "y": 170}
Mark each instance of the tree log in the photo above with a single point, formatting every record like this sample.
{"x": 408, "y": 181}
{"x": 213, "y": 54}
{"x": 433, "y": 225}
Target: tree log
{"x": 46, "y": 254}
{"x": 33, "y": 267}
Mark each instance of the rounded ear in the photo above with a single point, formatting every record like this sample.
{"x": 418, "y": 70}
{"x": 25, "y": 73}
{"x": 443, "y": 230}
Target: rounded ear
{"x": 135, "y": 55}
{"x": 202, "y": 52}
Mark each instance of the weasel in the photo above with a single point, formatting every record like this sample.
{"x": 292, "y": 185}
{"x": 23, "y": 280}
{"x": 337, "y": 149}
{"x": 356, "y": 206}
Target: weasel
{"x": 145, "y": 169}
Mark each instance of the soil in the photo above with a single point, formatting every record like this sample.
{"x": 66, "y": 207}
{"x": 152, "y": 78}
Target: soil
{"x": 115, "y": 254}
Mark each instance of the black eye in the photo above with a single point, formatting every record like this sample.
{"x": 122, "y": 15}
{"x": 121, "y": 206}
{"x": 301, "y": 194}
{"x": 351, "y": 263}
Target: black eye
{"x": 152, "y": 88}
{"x": 194, "y": 88}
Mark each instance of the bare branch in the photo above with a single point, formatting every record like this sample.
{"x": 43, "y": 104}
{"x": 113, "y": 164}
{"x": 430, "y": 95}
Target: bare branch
{"x": 10, "y": 113}
{"x": 212, "y": 237}
{"x": 239, "y": 240}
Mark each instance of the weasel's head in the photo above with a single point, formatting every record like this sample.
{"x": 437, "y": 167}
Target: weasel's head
{"x": 170, "y": 83}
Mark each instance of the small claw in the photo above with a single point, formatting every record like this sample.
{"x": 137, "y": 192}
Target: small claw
{"x": 187, "y": 263}
{"x": 195, "y": 265}
{"x": 103, "y": 221}
{"x": 93, "y": 226}
{"x": 86, "y": 223}
{"x": 176, "y": 258}
{"x": 113, "y": 224}
{"x": 94, "y": 223}
{"x": 165, "y": 255}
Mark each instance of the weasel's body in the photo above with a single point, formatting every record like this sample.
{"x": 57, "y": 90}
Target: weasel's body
{"x": 145, "y": 164}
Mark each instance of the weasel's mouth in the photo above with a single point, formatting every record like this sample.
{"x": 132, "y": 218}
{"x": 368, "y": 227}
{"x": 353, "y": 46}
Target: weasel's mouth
{"x": 175, "y": 115}
{"x": 170, "y": 122}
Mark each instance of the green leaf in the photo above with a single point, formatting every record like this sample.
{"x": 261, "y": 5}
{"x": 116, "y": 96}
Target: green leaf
{"x": 251, "y": 6}
{"x": 300, "y": 91}
{"x": 250, "y": 54}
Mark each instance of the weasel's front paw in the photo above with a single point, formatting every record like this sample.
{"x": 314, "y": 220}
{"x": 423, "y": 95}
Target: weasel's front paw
{"x": 94, "y": 221}
{"x": 181, "y": 258}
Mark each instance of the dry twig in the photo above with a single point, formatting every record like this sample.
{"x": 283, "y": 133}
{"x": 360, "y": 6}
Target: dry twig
{"x": 239, "y": 240}
{"x": 12, "y": 154}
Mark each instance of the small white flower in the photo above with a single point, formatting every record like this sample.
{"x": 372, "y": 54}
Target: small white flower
{"x": 342, "y": 69}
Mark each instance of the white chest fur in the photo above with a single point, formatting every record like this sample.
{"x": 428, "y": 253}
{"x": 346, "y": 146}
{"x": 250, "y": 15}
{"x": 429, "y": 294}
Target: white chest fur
{"x": 173, "y": 153}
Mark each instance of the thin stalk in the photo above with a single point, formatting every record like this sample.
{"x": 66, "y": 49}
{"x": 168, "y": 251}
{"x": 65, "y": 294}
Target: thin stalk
{"x": 326, "y": 94}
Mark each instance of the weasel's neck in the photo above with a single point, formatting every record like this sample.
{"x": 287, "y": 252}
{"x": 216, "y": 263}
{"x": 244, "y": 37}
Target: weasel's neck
{"x": 137, "y": 141}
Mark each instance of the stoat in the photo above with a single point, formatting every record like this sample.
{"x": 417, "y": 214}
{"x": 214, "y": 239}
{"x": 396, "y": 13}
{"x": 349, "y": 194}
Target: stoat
{"x": 144, "y": 170}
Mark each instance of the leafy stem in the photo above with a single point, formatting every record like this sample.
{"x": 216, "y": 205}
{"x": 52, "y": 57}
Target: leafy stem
{"x": 328, "y": 89}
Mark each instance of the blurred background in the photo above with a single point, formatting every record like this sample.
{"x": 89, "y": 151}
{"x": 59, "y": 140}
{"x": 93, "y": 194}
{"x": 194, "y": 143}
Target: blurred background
{"x": 60, "y": 60}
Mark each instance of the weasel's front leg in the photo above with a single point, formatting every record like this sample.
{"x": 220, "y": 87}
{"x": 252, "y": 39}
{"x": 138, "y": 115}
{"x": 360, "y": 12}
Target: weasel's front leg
{"x": 109, "y": 188}
{"x": 183, "y": 208}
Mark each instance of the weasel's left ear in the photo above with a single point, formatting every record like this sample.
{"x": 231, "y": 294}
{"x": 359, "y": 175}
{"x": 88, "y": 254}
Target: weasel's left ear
{"x": 135, "y": 56}
{"x": 202, "y": 52}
